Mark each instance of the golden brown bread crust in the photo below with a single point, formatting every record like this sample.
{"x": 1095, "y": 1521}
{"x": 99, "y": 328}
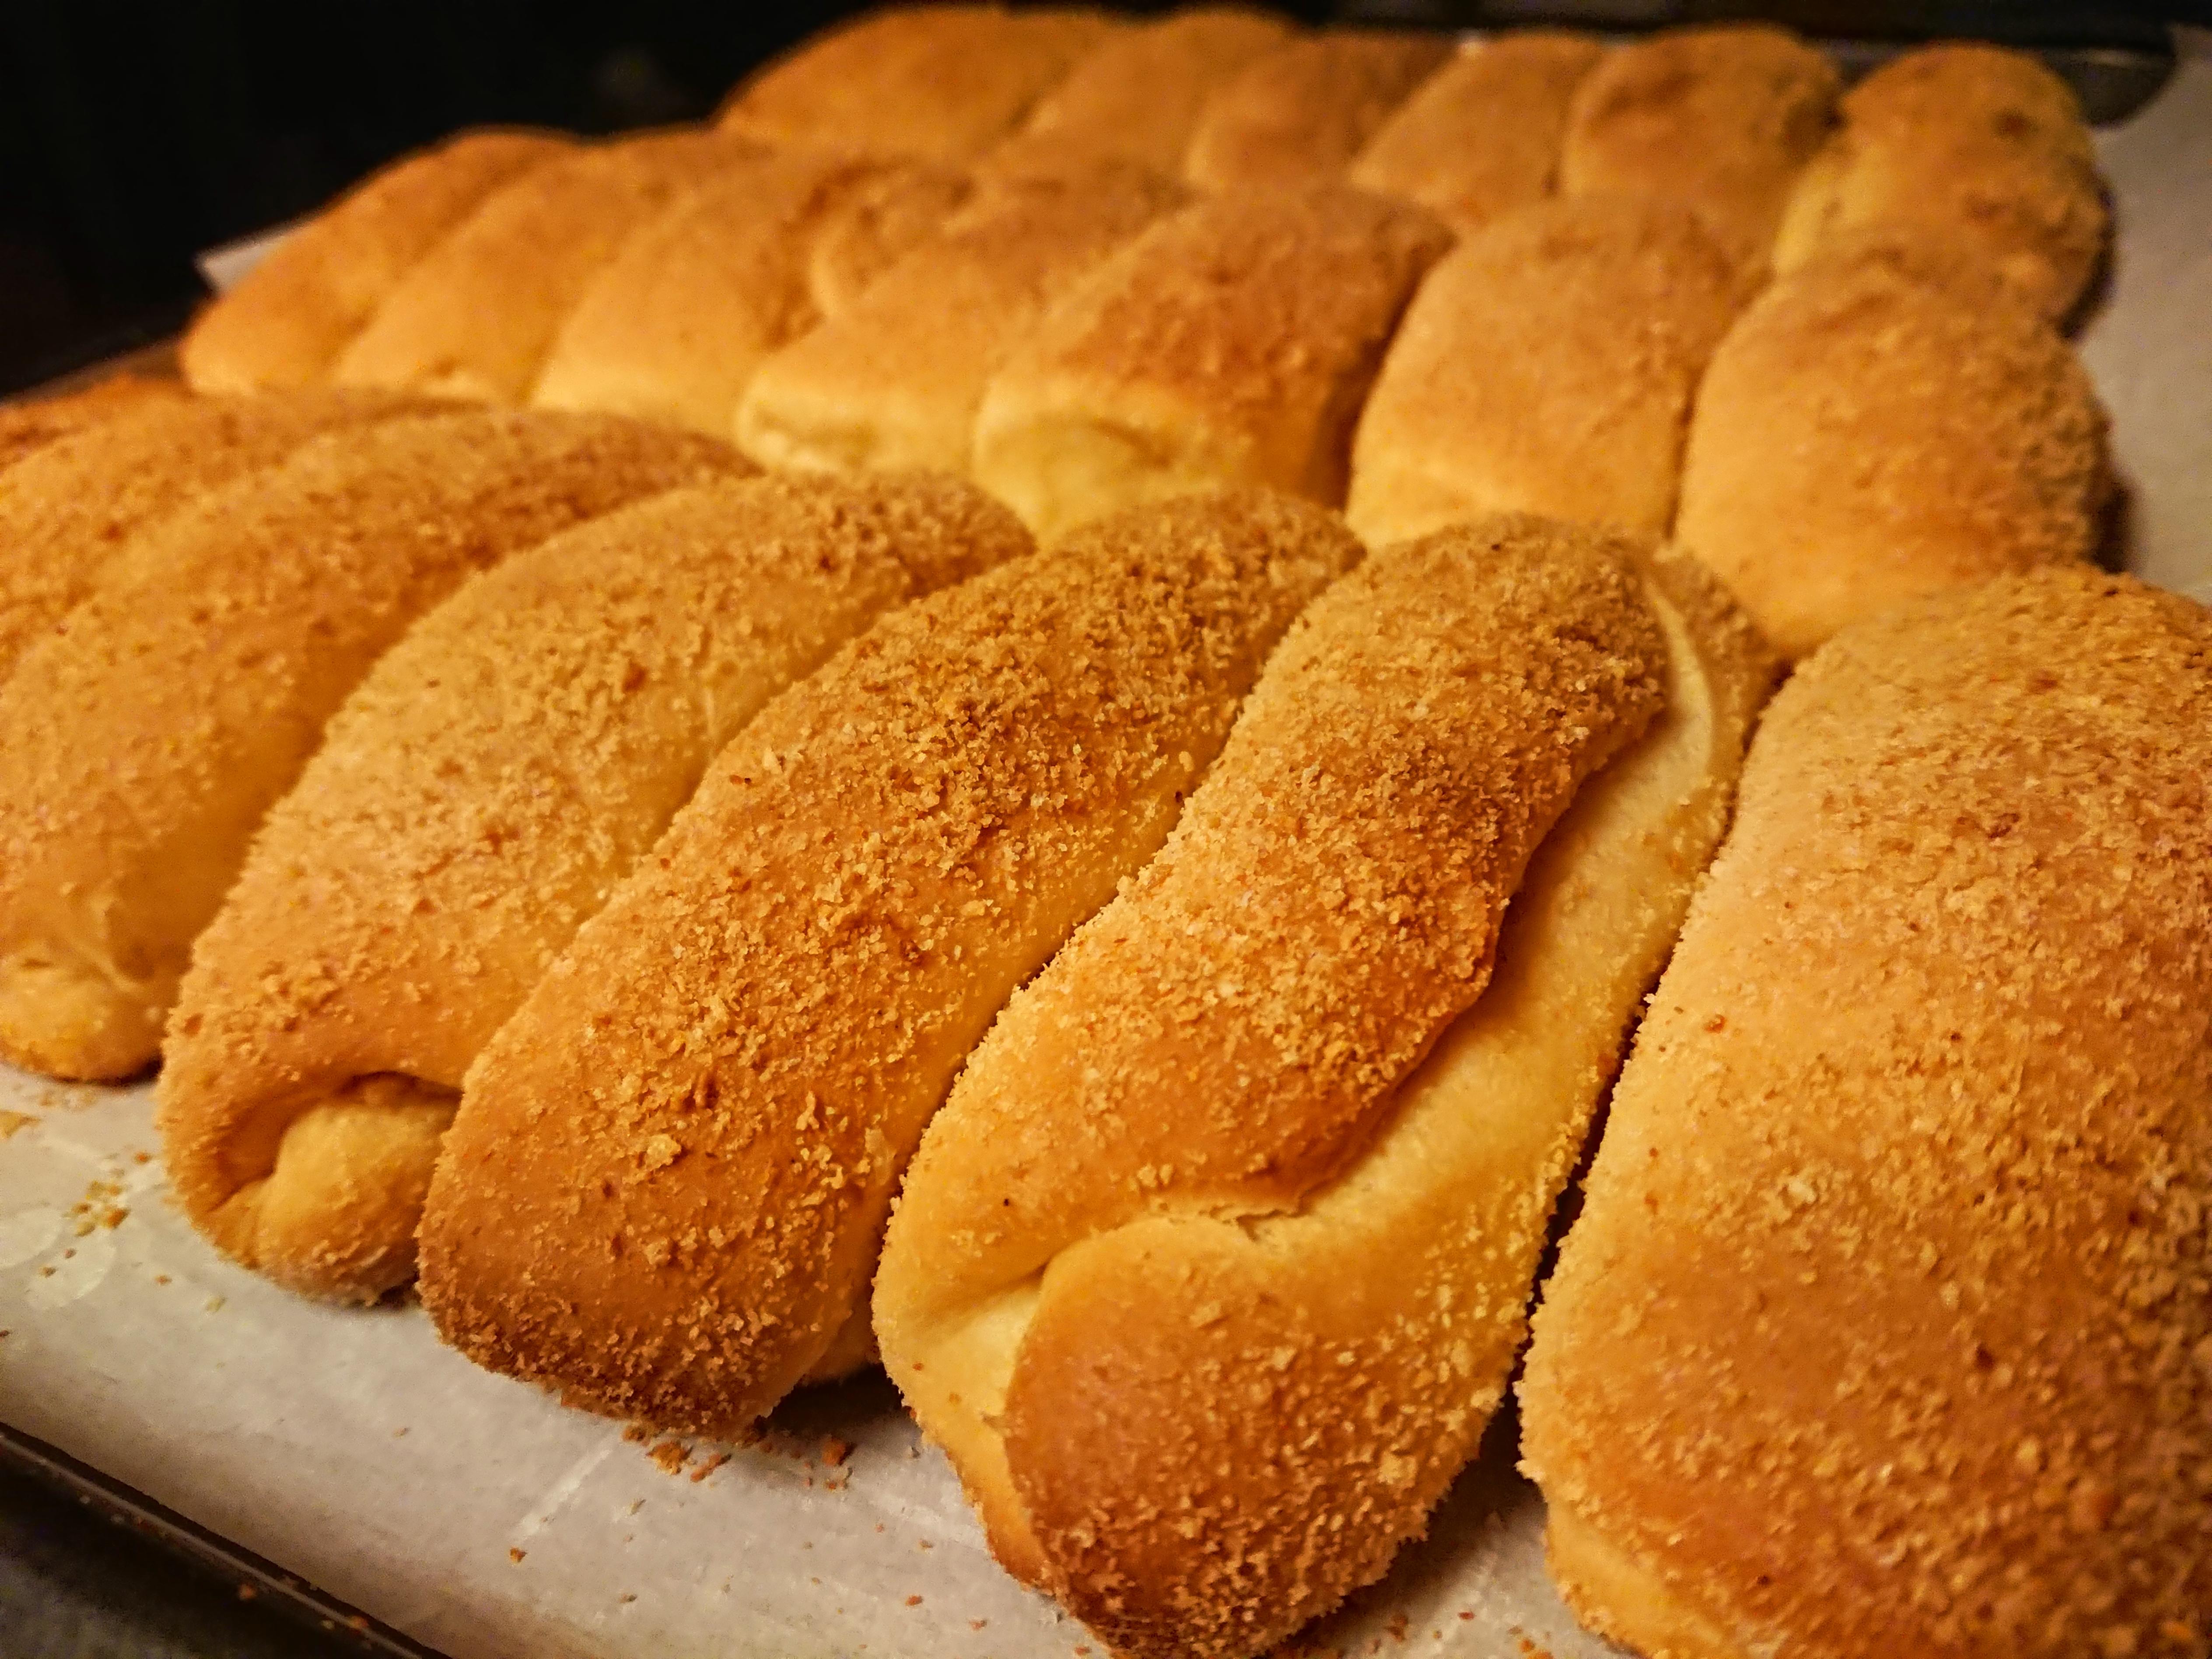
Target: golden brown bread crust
{"x": 1482, "y": 136}
{"x": 70, "y": 509}
{"x": 1546, "y": 366}
{"x": 666, "y": 1187}
{"x": 1905, "y": 1187}
{"x": 476, "y": 797}
{"x": 1721, "y": 119}
{"x": 33, "y": 423}
{"x": 1232, "y": 343}
{"x": 1300, "y": 113}
{"x": 674, "y": 327}
{"x": 895, "y": 381}
{"x": 1862, "y": 436}
{"x": 473, "y": 317}
{"x": 940, "y": 81}
{"x": 1967, "y": 144}
{"x": 141, "y": 744}
{"x": 285, "y": 324}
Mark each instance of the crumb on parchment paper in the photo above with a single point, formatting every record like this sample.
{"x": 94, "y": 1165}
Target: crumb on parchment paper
{"x": 516, "y": 1555}
{"x": 12, "y": 1121}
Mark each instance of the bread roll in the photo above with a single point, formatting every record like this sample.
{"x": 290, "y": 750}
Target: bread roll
{"x": 34, "y": 423}
{"x": 1721, "y": 119}
{"x": 286, "y": 323}
{"x": 1968, "y": 144}
{"x": 475, "y": 799}
{"x": 1232, "y": 343}
{"x": 1546, "y": 366}
{"x": 1886, "y": 1327}
{"x": 69, "y": 510}
{"x": 1299, "y": 114}
{"x": 895, "y": 381}
{"x": 474, "y": 318}
{"x": 940, "y": 81}
{"x": 1213, "y": 1267}
{"x": 674, "y": 327}
{"x": 1482, "y": 136}
{"x": 1862, "y": 436}
{"x": 668, "y": 1178}
{"x": 141, "y": 742}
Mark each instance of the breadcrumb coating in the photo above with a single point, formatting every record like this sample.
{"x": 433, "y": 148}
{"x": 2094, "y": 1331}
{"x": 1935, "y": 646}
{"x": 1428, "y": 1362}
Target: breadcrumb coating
{"x": 1299, "y": 114}
{"x": 35, "y": 422}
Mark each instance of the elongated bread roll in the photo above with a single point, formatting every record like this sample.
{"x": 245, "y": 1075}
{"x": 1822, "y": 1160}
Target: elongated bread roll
{"x": 674, "y": 327}
{"x": 1862, "y": 436}
{"x": 1213, "y": 1267}
{"x": 1299, "y": 114}
{"x": 475, "y": 800}
{"x": 1721, "y": 119}
{"x": 895, "y": 381}
{"x": 1886, "y": 1327}
{"x": 943, "y": 81}
{"x": 141, "y": 742}
{"x": 1546, "y": 366}
{"x": 1482, "y": 136}
{"x": 70, "y": 510}
{"x": 1232, "y": 343}
{"x": 286, "y": 323}
{"x": 669, "y": 1176}
{"x": 475, "y": 317}
{"x": 1961, "y": 143}
{"x": 34, "y": 423}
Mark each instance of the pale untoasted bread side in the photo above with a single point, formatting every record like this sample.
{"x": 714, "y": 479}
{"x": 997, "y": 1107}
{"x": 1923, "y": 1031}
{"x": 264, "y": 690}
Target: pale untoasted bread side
{"x": 285, "y": 324}
{"x": 475, "y": 799}
{"x": 1548, "y": 365}
{"x": 35, "y": 422}
{"x": 142, "y": 741}
{"x": 1885, "y": 1326}
{"x": 1721, "y": 119}
{"x": 1863, "y": 435}
{"x": 1232, "y": 343}
{"x": 1300, "y": 113}
{"x": 1482, "y": 136}
{"x": 669, "y": 1176}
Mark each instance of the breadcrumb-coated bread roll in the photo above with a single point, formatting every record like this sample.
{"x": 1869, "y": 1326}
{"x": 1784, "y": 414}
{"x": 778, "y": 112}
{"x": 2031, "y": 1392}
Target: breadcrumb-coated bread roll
{"x": 668, "y": 1177}
{"x": 1482, "y": 136}
{"x": 34, "y": 423}
{"x": 286, "y": 322}
{"x": 1886, "y": 1327}
{"x": 140, "y": 742}
{"x": 1863, "y": 435}
{"x": 675, "y": 326}
{"x": 1232, "y": 343}
{"x": 894, "y": 382}
{"x": 1962, "y": 142}
{"x": 476, "y": 797}
{"x": 474, "y": 318}
{"x": 1548, "y": 365}
{"x": 69, "y": 510}
{"x": 940, "y": 81}
{"x": 1721, "y": 119}
{"x": 1300, "y": 113}
{"x": 1213, "y": 1267}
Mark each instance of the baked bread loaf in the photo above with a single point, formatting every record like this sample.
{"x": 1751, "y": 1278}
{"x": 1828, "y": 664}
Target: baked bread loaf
{"x": 68, "y": 511}
{"x": 940, "y": 81}
{"x": 1962, "y": 143}
{"x": 1546, "y": 366}
{"x": 673, "y": 328}
{"x": 1721, "y": 119}
{"x": 1230, "y": 344}
{"x": 1482, "y": 136}
{"x": 1299, "y": 114}
{"x": 666, "y": 1187}
{"x": 473, "y": 319}
{"x": 474, "y": 801}
{"x": 285, "y": 324}
{"x": 33, "y": 423}
{"x": 894, "y": 382}
{"x": 1212, "y": 1269}
{"x": 1884, "y": 1327}
{"x": 1862, "y": 436}
{"x": 141, "y": 744}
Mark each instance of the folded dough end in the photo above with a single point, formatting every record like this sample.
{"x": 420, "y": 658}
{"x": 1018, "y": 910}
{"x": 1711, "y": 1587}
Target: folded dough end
{"x": 65, "y": 1017}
